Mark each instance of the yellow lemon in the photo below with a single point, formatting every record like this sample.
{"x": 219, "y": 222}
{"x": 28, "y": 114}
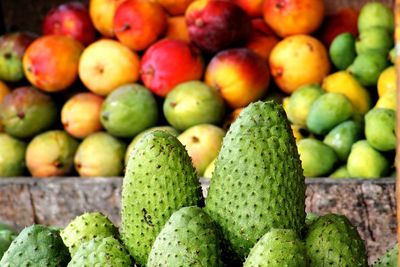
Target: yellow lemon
{"x": 387, "y": 81}
{"x": 387, "y": 100}
{"x": 4, "y": 90}
{"x": 344, "y": 83}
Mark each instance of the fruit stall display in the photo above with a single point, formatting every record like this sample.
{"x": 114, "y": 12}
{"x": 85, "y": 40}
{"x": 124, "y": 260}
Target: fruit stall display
{"x": 252, "y": 96}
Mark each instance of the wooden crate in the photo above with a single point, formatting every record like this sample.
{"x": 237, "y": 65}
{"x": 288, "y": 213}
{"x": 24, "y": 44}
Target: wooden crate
{"x": 369, "y": 204}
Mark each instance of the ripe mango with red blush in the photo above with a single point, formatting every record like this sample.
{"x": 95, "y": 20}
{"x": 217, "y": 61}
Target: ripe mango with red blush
{"x": 139, "y": 23}
{"x": 168, "y": 63}
{"x": 51, "y": 62}
{"x": 240, "y": 75}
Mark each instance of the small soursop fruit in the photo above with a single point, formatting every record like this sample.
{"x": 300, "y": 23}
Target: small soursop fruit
{"x": 86, "y": 227}
{"x": 101, "y": 251}
{"x": 389, "y": 259}
{"x": 277, "y": 248}
{"x": 159, "y": 180}
{"x": 36, "y": 245}
{"x": 6, "y": 237}
{"x": 189, "y": 238}
{"x": 333, "y": 241}
{"x": 258, "y": 182}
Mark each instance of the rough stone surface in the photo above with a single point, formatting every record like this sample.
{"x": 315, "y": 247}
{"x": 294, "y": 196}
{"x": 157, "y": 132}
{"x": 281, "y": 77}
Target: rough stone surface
{"x": 369, "y": 204}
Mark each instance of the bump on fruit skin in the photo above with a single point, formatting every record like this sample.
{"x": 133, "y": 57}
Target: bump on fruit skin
{"x": 86, "y": 227}
{"x": 389, "y": 259}
{"x": 159, "y": 180}
{"x": 258, "y": 182}
{"x": 277, "y": 248}
{"x": 36, "y": 246}
{"x": 101, "y": 251}
{"x": 189, "y": 238}
{"x": 333, "y": 241}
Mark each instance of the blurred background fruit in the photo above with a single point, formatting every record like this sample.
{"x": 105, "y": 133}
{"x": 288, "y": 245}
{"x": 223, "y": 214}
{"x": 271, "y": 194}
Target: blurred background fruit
{"x": 298, "y": 60}
{"x": 294, "y": 17}
{"x": 12, "y": 49}
{"x": 26, "y": 112}
{"x": 70, "y": 19}
{"x": 129, "y": 110}
{"x": 12, "y": 156}
{"x": 100, "y": 155}
{"x": 51, "y": 62}
{"x": 80, "y": 115}
{"x": 51, "y": 154}
{"x": 107, "y": 64}
{"x": 192, "y": 103}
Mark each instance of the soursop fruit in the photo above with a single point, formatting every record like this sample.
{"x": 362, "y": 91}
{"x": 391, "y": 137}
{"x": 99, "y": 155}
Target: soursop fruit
{"x": 101, "y": 251}
{"x": 159, "y": 180}
{"x": 36, "y": 245}
{"x": 6, "y": 237}
{"x": 189, "y": 238}
{"x": 258, "y": 181}
{"x": 278, "y": 248}
{"x": 333, "y": 241}
{"x": 86, "y": 227}
{"x": 389, "y": 259}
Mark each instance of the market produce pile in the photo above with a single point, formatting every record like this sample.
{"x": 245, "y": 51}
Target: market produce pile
{"x": 75, "y": 100}
{"x": 254, "y": 213}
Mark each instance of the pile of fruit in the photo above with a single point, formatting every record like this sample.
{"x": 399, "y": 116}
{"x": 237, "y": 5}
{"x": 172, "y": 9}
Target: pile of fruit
{"x": 253, "y": 214}
{"x": 76, "y": 100}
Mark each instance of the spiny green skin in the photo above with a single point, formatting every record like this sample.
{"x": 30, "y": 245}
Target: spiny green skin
{"x": 159, "y": 180}
{"x": 86, "y": 227}
{"x": 189, "y": 238}
{"x": 36, "y": 245}
{"x": 389, "y": 259}
{"x": 278, "y": 248}
{"x": 367, "y": 67}
{"x": 26, "y": 112}
{"x": 101, "y": 251}
{"x": 169, "y": 129}
{"x": 128, "y": 110}
{"x": 342, "y": 137}
{"x": 342, "y": 50}
{"x": 333, "y": 241}
{"x": 12, "y": 156}
{"x": 310, "y": 218}
{"x": 192, "y": 103}
{"x": 6, "y": 237}
{"x": 258, "y": 182}
{"x": 327, "y": 111}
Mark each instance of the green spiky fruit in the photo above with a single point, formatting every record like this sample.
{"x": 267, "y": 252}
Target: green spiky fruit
{"x": 333, "y": 241}
{"x": 189, "y": 238}
{"x": 86, "y": 227}
{"x": 258, "y": 181}
{"x": 389, "y": 259}
{"x": 6, "y": 237}
{"x": 277, "y": 248}
{"x": 159, "y": 180}
{"x": 36, "y": 245}
{"x": 101, "y": 251}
